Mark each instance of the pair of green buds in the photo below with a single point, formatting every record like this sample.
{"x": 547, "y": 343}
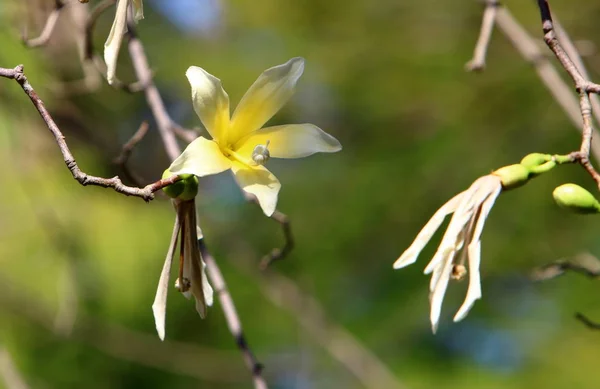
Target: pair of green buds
{"x": 569, "y": 196}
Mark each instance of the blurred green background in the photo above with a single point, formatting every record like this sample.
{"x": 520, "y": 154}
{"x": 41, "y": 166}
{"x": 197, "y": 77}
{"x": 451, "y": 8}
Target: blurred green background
{"x": 79, "y": 265}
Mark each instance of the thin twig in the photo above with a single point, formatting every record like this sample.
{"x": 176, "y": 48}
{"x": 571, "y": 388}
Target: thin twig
{"x": 127, "y": 149}
{"x": 588, "y": 322}
{"x": 146, "y": 193}
{"x": 233, "y": 321}
{"x": 153, "y": 98}
{"x": 48, "y": 27}
{"x": 584, "y": 263}
{"x": 583, "y": 86}
{"x": 477, "y": 63}
{"x": 276, "y": 253}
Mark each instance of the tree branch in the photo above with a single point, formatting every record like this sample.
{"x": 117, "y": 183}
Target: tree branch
{"x": 48, "y": 27}
{"x": 477, "y": 63}
{"x": 146, "y": 193}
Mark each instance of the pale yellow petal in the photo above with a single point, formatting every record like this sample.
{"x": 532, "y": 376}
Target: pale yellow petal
{"x": 437, "y": 295}
{"x": 260, "y": 182}
{"x": 290, "y": 141}
{"x": 159, "y": 307}
{"x": 264, "y": 98}
{"x": 211, "y": 102}
{"x": 113, "y": 42}
{"x": 138, "y": 8}
{"x": 202, "y": 157}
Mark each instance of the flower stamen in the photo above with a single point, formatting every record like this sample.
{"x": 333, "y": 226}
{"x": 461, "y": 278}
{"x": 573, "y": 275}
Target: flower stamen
{"x": 261, "y": 154}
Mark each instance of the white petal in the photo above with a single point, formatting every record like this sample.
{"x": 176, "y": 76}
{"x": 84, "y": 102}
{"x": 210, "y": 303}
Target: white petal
{"x": 211, "y": 102}
{"x": 474, "y": 290}
{"x": 474, "y": 253}
{"x": 202, "y": 157}
{"x": 113, "y": 42}
{"x": 266, "y": 96}
{"x": 159, "y": 307}
{"x": 290, "y": 141}
{"x": 459, "y": 221}
{"x": 260, "y": 182}
{"x": 437, "y": 296}
{"x": 409, "y": 256}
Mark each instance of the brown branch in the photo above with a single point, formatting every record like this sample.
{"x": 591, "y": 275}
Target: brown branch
{"x": 146, "y": 193}
{"x": 277, "y": 254}
{"x": 49, "y": 26}
{"x": 233, "y": 322}
{"x": 477, "y": 63}
{"x": 583, "y": 86}
{"x": 127, "y": 149}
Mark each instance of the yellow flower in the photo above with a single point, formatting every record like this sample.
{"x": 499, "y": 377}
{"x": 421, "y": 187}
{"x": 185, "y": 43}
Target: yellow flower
{"x": 239, "y": 142}
{"x": 115, "y": 37}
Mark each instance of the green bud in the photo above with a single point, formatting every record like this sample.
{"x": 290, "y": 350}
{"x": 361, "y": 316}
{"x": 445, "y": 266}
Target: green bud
{"x": 576, "y": 199}
{"x": 185, "y": 189}
{"x": 538, "y": 163}
{"x": 512, "y": 176}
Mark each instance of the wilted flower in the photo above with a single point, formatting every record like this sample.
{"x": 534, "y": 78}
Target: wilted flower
{"x": 461, "y": 241}
{"x": 117, "y": 31}
{"x": 240, "y": 143}
{"x": 192, "y": 276}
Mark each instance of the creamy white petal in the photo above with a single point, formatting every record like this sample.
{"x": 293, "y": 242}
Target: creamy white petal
{"x": 138, "y": 8}
{"x": 290, "y": 141}
{"x": 202, "y": 157}
{"x": 114, "y": 40}
{"x": 459, "y": 220}
{"x": 260, "y": 182}
{"x": 409, "y": 256}
{"x": 474, "y": 252}
{"x": 211, "y": 102}
{"x": 437, "y": 296}
{"x": 266, "y": 96}
{"x": 159, "y": 307}
{"x": 474, "y": 290}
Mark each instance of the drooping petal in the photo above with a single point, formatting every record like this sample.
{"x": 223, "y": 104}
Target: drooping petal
{"x": 138, "y": 8}
{"x": 409, "y": 256}
{"x": 290, "y": 141}
{"x": 437, "y": 296}
{"x": 474, "y": 250}
{"x": 266, "y": 96}
{"x": 113, "y": 42}
{"x": 474, "y": 290}
{"x": 159, "y": 307}
{"x": 459, "y": 220}
{"x": 260, "y": 182}
{"x": 192, "y": 269}
{"x": 202, "y": 157}
{"x": 211, "y": 102}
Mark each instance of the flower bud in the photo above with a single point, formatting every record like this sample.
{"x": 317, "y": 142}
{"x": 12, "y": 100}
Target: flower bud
{"x": 538, "y": 163}
{"x": 185, "y": 189}
{"x": 576, "y": 199}
{"x": 512, "y": 176}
